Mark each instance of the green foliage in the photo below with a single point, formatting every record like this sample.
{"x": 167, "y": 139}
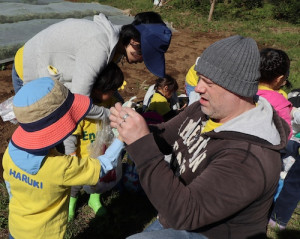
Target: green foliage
{"x": 287, "y": 10}
{"x": 247, "y": 4}
{"x": 4, "y": 200}
{"x": 127, "y": 214}
{"x": 242, "y": 10}
{"x": 201, "y": 6}
{"x": 136, "y": 6}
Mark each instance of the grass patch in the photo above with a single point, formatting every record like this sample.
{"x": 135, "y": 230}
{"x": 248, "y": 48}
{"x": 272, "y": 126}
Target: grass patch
{"x": 127, "y": 213}
{"x": 292, "y": 231}
{"x": 3, "y": 211}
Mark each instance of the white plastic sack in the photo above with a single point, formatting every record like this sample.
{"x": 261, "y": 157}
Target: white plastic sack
{"x": 6, "y": 111}
{"x": 104, "y": 138}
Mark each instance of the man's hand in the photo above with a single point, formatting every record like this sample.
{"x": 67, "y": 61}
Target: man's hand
{"x": 130, "y": 124}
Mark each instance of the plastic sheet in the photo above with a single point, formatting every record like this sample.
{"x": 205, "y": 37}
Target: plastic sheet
{"x": 21, "y": 20}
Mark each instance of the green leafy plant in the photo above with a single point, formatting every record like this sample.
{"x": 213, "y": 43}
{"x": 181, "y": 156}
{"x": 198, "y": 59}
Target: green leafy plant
{"x": 287, "y": 10}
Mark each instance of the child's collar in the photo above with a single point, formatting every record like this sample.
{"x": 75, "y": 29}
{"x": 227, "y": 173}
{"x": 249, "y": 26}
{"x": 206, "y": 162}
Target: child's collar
{"x": 280, "y": 91}
{"x": 263, "y": 87}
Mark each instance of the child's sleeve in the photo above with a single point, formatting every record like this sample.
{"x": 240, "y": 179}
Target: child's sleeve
{"x": 109, "y": 159}
{"x": 70, "y": 145}
{"x": 98, "y": 113}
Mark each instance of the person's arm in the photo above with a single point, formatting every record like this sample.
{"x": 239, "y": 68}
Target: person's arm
{"x": 135, "y": 126}
{"x": 87, "y": 171}
{"x": 166, "y": 134}
{"x": 70, "y": 145}
{"x": 98, "y": 113}
{"x": 169, "y": 115}
{"x": 111, "y": 169}
{"x": 225, "y": 187}
{"x": 284, "y": 111}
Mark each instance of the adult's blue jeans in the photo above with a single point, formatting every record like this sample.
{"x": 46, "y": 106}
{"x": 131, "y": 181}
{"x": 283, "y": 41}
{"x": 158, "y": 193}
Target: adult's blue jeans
{"x": 16, "y": 80}
{"x": 156, "y": 230}
{"x": 289, "y": 196}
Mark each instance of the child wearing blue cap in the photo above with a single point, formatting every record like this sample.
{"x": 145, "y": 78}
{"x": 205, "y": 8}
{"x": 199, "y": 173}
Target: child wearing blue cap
{"x": 39, "y": 178}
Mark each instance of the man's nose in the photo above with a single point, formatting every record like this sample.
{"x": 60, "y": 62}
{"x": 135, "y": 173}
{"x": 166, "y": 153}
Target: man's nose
{"x": 200, "y": 87}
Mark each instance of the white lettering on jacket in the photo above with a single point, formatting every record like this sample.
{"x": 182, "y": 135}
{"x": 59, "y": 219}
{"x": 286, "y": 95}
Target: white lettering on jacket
{"x": 195, "y": 143}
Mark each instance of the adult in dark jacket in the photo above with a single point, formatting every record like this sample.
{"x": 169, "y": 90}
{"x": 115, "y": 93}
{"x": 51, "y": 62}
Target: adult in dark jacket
{"x": 225, "y": 147}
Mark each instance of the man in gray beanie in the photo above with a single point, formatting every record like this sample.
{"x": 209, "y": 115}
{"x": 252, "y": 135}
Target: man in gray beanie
{"x": 225, "y": 147}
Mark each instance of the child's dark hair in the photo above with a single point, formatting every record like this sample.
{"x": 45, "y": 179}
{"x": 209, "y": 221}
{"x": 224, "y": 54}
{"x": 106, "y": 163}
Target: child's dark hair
{"x": 166, "y": 81}
{"x": 110, "y": 79}
{"x": 273, "y": 63}
{"x": 147, "y": 18}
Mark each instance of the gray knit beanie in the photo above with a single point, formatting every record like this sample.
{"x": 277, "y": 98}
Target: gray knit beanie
{"x": 232, "y": 63}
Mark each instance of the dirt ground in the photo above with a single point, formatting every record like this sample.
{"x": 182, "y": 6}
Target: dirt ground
{"x": 185, "y": 47}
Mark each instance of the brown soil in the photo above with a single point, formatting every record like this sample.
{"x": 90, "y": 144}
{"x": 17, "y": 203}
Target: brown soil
{"x": 184, "y": 49}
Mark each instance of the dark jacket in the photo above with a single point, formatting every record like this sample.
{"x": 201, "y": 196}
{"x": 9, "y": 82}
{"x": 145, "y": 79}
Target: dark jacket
{"x": 221, "y": 183}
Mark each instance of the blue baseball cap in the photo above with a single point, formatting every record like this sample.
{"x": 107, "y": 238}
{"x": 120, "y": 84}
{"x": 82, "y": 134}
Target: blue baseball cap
{"x": 155, "y": 41}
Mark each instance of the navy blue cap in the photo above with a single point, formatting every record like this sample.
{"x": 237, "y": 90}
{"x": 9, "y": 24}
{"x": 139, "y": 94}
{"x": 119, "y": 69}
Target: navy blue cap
{"x": 155, "y": 41}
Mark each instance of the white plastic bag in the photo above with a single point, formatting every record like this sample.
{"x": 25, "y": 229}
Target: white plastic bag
{"x": 103, "y": 139}
{"x": 6, "y": 111}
